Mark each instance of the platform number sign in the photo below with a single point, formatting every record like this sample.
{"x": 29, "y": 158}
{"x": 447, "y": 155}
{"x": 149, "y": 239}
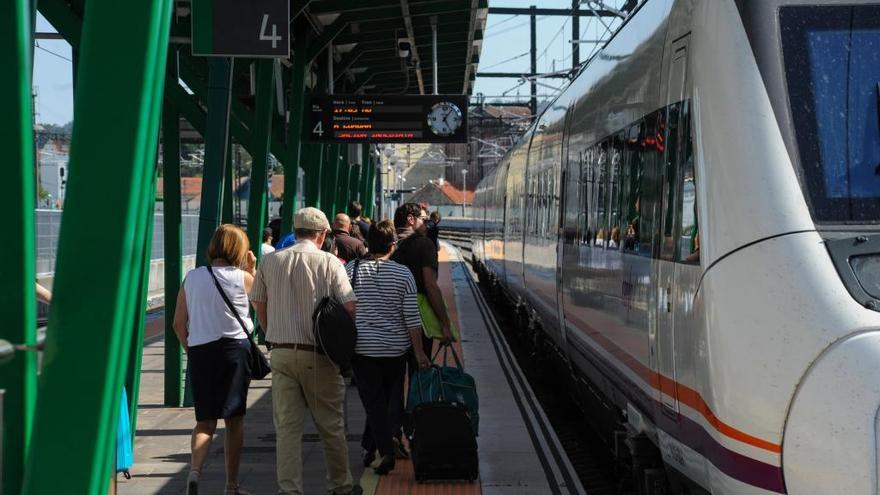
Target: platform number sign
{"x": 236, "y": 28}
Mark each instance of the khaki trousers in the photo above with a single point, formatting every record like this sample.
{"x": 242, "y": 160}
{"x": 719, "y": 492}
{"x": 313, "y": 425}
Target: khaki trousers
{"x": 300, "y": 380}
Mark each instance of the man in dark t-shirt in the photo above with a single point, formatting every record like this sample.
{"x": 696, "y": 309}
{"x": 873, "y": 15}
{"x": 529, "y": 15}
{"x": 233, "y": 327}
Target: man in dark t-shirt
{"x": 419, "y": 254}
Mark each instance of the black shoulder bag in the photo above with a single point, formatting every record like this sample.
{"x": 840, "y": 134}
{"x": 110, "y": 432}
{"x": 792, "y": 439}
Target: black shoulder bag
{"x": 259, "y": 364}
{"x": 335, "y": 330}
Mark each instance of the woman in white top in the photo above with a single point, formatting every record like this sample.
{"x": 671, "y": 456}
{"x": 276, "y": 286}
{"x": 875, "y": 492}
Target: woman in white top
{"x": 218, "y": 348}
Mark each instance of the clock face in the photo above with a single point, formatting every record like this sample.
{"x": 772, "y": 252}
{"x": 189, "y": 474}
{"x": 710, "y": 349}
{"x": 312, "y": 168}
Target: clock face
{"x": 444, "y": 118}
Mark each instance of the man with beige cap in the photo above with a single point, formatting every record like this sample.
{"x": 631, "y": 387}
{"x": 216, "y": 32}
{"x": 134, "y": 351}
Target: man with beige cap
{"x": 287, "y": 288}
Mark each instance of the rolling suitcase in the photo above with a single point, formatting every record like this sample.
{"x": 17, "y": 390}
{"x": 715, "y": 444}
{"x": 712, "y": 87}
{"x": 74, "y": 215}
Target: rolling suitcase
{"x": 443, "y": 444}
{"x": 443, "y": 428}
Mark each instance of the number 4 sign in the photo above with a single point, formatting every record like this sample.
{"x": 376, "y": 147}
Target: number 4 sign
{"x": 274, "y": 38}
{"x": 241, "y": 28}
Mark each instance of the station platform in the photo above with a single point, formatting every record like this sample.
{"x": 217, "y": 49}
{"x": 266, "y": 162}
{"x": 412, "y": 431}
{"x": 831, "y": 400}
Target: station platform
{"x": 518, "y": 450}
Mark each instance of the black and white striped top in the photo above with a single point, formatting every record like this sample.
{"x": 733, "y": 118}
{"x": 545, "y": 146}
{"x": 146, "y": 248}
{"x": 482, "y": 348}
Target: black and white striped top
{"x": 387, "y": 307}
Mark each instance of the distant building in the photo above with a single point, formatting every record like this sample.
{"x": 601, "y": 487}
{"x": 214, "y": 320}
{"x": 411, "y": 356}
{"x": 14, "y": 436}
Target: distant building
{"x": 53, "y": 155}
{"x": 443, "y": 197}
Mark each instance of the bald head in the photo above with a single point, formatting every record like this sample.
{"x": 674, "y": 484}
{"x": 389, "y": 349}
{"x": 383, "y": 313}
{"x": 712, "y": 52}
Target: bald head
{"x": 341, "y": 222}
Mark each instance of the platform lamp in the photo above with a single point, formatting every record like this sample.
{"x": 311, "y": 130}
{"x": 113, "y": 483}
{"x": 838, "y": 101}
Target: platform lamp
{"x": 463, "y": 190}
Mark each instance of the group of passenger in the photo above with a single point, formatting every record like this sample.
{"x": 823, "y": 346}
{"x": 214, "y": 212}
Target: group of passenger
{"x": 377, "y": 282}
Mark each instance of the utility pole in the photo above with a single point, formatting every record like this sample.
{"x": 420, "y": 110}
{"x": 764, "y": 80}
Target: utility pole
{"x": 534, "y": 59}
{"x": 575, "y": 35}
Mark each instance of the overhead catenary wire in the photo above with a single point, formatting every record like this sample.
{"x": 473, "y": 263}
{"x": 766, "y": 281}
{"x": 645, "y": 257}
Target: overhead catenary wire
{"x": 62, "y": 57}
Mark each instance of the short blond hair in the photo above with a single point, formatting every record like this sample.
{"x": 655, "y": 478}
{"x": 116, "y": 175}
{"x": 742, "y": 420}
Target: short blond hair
{"x": 229, "y": 243}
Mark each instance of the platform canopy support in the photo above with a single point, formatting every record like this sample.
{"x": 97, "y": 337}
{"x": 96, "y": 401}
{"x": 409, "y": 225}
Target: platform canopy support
{"x": 295, "y": 148}
{"x": 262, "y": 134}
{"x": 90, "y": 330}
{"x": 173, "y": 236}
{"x": 17, "y": 376}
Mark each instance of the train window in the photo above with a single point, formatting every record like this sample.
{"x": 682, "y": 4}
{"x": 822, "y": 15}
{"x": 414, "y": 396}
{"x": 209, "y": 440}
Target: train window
{"x": 832, "y": 67}
{"x": 601, "y": 174}
{"x": 689, "y": 238}
{"x": 670, "y": 181}
{"x": 631, "y": 173}
{"x": 614, "y": 187}
{"x": 589, "y": 194}
{"x": 651, "y": 142}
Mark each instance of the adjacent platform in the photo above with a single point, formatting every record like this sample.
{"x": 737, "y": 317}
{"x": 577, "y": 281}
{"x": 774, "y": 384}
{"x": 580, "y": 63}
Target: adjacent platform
{"x": 519, "y": 452}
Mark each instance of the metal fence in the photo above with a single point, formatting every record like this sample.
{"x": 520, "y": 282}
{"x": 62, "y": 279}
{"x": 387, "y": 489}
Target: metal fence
{"x": 49, "y": 226}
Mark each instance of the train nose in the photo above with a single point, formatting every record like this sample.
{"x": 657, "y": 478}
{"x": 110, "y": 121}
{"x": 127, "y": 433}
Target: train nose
{"x": 832, "y": 433}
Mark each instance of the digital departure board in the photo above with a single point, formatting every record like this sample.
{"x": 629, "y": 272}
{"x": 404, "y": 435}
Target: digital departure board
{"x": 387, "y": 119}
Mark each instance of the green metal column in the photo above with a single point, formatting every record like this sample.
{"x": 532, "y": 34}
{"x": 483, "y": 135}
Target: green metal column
{"x": 362, "y": 181}
{"x": 90, "y": 330}
{"x": 313, "y": 161}
{"x": 262, "y": 134}
{"x": 294, "y": 131}
{"x": 173, "y": 238}
{"x": 372, "y": 198}
{"x": 330, "y": 177}
{"x": 226, "y": 215}
{"x": 219, "y": 97}
{"x": 18, "y": 376}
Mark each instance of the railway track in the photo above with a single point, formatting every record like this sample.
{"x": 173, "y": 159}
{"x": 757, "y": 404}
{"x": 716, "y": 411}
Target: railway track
{"x": 586, "y": 451}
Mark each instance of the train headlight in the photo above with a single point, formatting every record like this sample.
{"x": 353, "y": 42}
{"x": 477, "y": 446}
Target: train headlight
{"x": 831, "y": 441}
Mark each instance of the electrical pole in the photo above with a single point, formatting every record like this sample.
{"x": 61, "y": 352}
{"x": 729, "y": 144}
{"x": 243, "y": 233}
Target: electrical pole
{"x": 534, "y": 54}
{"x": 575, "y": 34}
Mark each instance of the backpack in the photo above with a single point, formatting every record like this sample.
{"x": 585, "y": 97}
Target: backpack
{"x": 335, "y": 331}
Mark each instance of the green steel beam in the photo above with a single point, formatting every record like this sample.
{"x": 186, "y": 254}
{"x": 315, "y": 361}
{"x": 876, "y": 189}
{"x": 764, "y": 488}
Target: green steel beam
{"x": 226, "y": 210}
{"x": 63, "y": 18}
{"x": 294, "y": 131}
{"x": 17, "y": 377}
{"x": 173, "y": 234}
{"x": 329, "y": 176}
{"x": 217, "y": 134}
{"x": 297, "y": 7}
{"x": 354, "y": 180}
{"x": 370, "y": 35}
{"x": 347, "y": 61}
{"x": 329, "y": 6}
{"x": 265, "y": 92}
{"x": 342, "y": 179}
{"x": 330, "y": 32}
{"x": 90, "y": 330}
{"x": 312, "y": 165}
{"x": 363, "y": 193}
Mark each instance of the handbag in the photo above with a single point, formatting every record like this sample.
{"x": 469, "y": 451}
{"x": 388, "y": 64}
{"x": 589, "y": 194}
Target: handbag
{"x": 259, "y": 364}
{"x": 335, "y": 330}
{"x": 431, "y": 325}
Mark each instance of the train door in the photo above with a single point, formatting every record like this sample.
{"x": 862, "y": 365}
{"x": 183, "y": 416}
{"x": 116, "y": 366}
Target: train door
{"x": 565, "y": 228}
{"x": 664, "y": 339}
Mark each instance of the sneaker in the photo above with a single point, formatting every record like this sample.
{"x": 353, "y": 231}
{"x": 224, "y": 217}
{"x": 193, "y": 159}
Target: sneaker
{"x": 192, "y": 483}
{"x": 385, "y": 466}
{"x": 400, "y": 451}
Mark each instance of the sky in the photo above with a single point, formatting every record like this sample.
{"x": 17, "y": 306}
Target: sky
{"x": 505, "y": 49}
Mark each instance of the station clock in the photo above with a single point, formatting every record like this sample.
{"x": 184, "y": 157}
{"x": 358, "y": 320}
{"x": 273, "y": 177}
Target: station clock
{"x": 444, "y": 118}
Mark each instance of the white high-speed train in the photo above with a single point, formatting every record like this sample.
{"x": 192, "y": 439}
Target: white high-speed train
{"x": 691, "y": 230}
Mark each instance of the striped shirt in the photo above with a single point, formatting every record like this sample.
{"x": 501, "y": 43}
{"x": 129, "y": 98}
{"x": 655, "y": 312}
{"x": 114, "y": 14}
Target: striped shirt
{"x": 387, "y": 307}
{"x": 291, "y": 282}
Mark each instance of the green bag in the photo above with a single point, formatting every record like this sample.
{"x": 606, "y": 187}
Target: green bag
{"x": 431, "y": 324}
{"x": 446, "y": 384}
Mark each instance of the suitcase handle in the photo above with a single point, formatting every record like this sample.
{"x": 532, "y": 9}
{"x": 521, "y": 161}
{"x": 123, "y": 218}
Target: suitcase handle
{"x": 446, "y": 348}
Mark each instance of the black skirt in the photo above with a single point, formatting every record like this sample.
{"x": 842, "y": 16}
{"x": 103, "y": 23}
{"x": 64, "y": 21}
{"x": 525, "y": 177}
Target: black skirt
{"x": 220, "y": 374}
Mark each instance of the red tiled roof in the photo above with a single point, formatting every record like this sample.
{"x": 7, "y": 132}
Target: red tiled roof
{"x": 457, "y": 196}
